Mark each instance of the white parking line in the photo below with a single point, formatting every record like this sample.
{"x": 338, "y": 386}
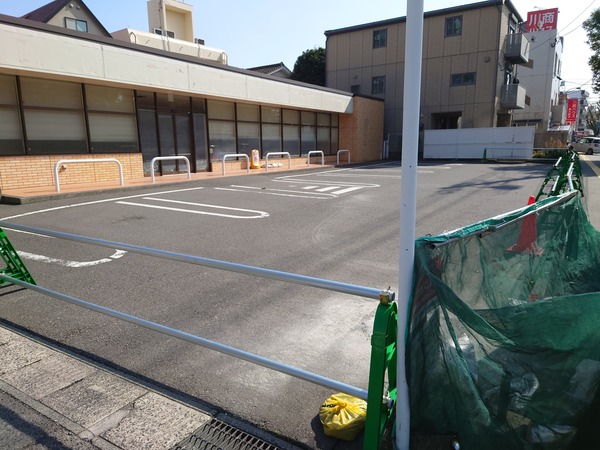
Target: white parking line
{"x": 66, "y": 263}
{"x": 257, "y": 214}
{"x": 278, "y": 192}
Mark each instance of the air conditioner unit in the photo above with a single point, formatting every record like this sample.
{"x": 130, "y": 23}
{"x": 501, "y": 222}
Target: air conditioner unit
{"x": 168, "y": 33}
{"x": 158, "y": 31}
{"x": 199, "y": 41}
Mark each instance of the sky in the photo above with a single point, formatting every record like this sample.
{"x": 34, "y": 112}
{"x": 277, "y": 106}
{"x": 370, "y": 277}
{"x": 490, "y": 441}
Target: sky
{"x": 261, "y": 32}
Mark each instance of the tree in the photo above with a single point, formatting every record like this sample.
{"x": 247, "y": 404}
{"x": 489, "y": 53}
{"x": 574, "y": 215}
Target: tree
{"x": 593, "y": 118}
{"x": 310, "y": 67}
{"x": 592, "y": 28}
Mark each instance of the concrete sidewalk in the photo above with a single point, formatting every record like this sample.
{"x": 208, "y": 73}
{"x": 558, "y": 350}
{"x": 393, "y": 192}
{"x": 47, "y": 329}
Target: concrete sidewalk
{"x": 51, "y": 399}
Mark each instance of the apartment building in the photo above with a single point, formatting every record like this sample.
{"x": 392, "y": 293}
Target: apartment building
{"x": 471, "y": 55}
{"x": 70, "y": 89}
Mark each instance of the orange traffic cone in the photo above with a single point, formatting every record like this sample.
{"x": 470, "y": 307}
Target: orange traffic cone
{"x": 527, "y": 242}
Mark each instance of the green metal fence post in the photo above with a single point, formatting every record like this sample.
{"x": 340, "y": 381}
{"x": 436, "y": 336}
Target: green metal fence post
{"x": 381, "y": 406}
{"x": 15, "y": 267}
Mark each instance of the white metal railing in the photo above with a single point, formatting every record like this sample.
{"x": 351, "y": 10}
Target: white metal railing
{"x": 315, "y": 152}
{"x": 71, "y": 161}
{"x": 165, "y": 158}
{"x": 321, "y": 283}
{"x": 289, "y": 157}
{"x": 236, "y": 155}
{"x": 342, "y": 151}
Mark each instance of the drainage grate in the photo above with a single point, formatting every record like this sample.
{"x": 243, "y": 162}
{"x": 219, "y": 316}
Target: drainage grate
{"x": 217, "y": 435}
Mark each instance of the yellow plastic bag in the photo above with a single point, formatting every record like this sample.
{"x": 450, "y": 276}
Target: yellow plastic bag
{"x": 343, "y": 416}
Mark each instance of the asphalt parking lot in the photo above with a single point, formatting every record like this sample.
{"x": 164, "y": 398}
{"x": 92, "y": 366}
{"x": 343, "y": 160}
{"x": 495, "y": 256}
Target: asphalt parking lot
{"x": 337, "y": 224}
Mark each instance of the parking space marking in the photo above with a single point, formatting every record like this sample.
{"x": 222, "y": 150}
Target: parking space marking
{"x": 278, "y": 192}
{"x": 256, "y": 214}
{"x": 66, "y": 263}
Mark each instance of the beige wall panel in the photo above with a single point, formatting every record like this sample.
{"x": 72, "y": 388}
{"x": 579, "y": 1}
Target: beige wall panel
{"x": 332, "y": 54}
{"x": 469, "y": 40}
{"x": 452, "y": 45}
{"x": 392, "y": 44}
{"x": 457, "y": 95}
{"x": 432, "y": 82}
{"x": 459, "y": 64}
{"x": 482, "y": 115}
{"x": 487, "y": 39}
{"x": 355, "y": 50}
{"x": 379, "y": 56}
{"x": 436, "y": 39}
{"x": 366, "y": 47}
{"x": 445, "y": 75}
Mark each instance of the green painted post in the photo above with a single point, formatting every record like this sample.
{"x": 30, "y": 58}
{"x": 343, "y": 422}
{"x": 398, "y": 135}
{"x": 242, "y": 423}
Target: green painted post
{"x": 383, "y": 358}
{"x": 15, "y": 267}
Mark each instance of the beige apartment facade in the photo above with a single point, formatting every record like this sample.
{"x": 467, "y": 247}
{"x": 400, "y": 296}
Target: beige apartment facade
{"x": 78, "y": 93}
{"x": 469, "y": 57}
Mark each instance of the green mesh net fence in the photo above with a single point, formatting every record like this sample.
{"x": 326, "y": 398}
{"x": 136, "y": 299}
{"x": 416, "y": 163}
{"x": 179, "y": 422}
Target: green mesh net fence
{"x": 504, "y": 334}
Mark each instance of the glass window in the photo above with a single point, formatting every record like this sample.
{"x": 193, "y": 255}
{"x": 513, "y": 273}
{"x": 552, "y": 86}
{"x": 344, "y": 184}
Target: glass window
{"x": 453, "y": 26}
{"x": 323, "y": 120}
{"x": 308, "y": 138}
{"x": 52, "y": 132}
{"x": 49, "y": 93}
{"x": 99, "y": 98}
{"x": 291, "y": 117}
{"x": 145, "y": 100}
{"x": 380, "y": 38}
{"x": 335, "y": 142}
{"x": 8, "y": 90}
{"x": 221, "y": 138}
{"x": 378, "y": 85}
{"x": 11, "y": 139}
{"x": 248, "y": 137}
{"x": 199, "y": 105}
{"x": 112, "y": 133}
{"x": 76, "y": 24}
{"x": 335, "y": 120}
{"x": 291, "y": 139}
{"x": 248, "y": 113}
{"x": 462, "y": 79}
{"x": 308, "y": 118}
{"x": 324, "y": 140}
{"x": 355, "y": 88}
{"x": 172, "y": 103}
{"x": 148, "y": 137}
{"x": 271, "y": 138}
{"x": 221, "y": 110}
{"x": 270, "y": 114}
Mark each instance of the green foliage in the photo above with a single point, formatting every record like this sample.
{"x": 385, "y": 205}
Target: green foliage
{"x": 310, "y": 67}
{"x": 593, "y": 117}
{"x": 592, "y": 28}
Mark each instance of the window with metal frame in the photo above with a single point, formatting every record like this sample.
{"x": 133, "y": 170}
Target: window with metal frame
{"x": 378, "y": 85}
{"x": 76, "y": 24}
{"x": 380, "y": 38}
{"x": 453, "y": 26}
{"x": 462, "y": 79}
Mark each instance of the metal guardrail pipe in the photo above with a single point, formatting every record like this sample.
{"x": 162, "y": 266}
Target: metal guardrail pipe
{"x": 289, "y": 158}
{"x": 315, "y": 152}
{"x": 236, "y": 155}
{"x": 72, "y": 161}
{"x": 164, "y": 158}
{"x": 231, "y": 351}
{"x": 321, "y": 283}
{"x": 342, "y": 151}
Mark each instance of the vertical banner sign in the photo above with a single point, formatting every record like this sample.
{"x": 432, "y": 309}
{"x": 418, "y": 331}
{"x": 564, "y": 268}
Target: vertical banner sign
{"x": 541, "y": 20}
{"x": 572, "y": 108}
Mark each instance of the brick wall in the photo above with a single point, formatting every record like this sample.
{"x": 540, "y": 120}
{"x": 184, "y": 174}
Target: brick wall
{"x": 362, "y": 131}
{"x": 19, "y": 172}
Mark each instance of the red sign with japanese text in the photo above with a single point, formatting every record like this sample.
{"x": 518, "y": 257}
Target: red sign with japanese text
{"x": 572, "y": 108}
{"x": 542, "y": 20}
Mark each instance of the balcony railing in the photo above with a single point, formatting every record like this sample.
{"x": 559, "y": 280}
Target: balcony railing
{"x": 512, "y": 96}
{"x": 516, "y": 48}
